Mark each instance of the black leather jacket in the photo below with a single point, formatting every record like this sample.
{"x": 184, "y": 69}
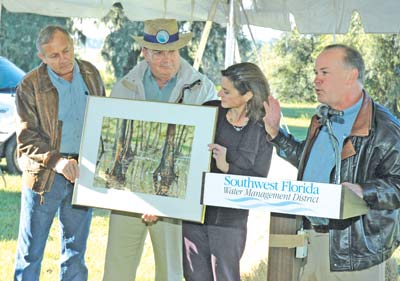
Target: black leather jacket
{"x": 370, "y": 158}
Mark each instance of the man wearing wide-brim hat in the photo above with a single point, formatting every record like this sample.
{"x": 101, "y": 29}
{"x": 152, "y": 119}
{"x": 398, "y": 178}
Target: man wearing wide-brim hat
{"x": 165, "y": 77}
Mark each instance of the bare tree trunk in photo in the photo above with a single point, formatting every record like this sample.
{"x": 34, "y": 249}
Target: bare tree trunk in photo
{"x": 178, "y": 148}
{"x": 164, "y": 175}
{"x": 156, "y": 139}
{"x": 127, "y": 153}
{"x": 101, "y": 151}
{"x": 123, "y": 153}
{"x": 115, "y": 171}
{"x": 149, "y": 133}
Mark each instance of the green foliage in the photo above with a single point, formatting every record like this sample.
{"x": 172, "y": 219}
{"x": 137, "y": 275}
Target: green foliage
{"x": 382, "y": 80}
{"x": 290, "y": 62}
{"x": 214, "y": 53}
{"x": 381, "y": 53}
{"x": 119, "y": 47}
{"x": 213, "y": 60}
{"x": 18, "y": 32}
{"x": 290, "y": 67}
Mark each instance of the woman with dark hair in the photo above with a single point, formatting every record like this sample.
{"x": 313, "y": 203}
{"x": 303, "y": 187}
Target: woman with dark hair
{"x": 212, "y": 250}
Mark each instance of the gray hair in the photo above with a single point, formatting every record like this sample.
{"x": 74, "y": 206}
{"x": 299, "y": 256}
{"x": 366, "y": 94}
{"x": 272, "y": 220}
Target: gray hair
{"x": 46, "y": 35}
{"x": 249, "y": 77}
{"x": 352, "y": 59}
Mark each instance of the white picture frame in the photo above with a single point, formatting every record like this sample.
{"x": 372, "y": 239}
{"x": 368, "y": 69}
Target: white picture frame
{"x": 97, "y": 185}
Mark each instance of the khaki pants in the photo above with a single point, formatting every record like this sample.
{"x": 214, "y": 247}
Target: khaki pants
{"x": 127, "y": 234}
{"x": 317, "y": 265}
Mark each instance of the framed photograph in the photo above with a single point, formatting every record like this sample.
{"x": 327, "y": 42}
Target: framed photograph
{"x": 145, "y": 157}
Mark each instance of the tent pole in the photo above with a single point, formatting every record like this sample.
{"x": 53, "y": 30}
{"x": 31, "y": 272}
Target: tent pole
{"x": 204, "y": 35}
{"x": 252, "y": 37}
{"x": 230, "y": 36}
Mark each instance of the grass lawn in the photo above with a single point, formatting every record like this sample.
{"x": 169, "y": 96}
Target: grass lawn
{"x": 9, "y": 217}
{"x": 296, "y": 117}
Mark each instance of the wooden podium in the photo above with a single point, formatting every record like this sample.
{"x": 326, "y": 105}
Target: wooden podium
{"x": 288, "y": 201}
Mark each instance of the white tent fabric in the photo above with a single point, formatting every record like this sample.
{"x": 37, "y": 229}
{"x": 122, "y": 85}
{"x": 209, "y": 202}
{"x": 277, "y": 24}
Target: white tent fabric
{"x": 310, "y": 16}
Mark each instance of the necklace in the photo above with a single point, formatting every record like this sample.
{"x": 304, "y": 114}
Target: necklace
{"x": 238, "y": 128}
{"x": 238, "y": 125}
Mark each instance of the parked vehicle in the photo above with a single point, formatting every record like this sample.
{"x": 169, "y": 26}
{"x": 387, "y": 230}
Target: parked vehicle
{"x": 10, "y": 76}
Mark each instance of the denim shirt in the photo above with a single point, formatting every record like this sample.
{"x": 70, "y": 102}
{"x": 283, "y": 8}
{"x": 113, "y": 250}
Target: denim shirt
{"x": 322, "y": 155}
{"x": 72, "y": 99}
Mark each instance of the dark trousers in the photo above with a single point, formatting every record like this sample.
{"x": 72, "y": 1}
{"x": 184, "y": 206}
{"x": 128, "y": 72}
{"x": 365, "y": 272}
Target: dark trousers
{"x": 211, "y": 252}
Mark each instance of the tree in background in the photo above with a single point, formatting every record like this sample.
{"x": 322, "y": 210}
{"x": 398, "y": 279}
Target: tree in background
{"x": 290, "y": 62}
{"x": 289, "y": 67}
{"x": 381, "y": 53}
{"x": 119, "y": 47}
{"x": 213, "y": 60}
{"x": 383, "y": 78}
{"x": 18, "y": 32}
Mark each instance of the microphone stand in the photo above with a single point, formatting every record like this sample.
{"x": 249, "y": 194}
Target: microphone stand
{"x": 325, "y": 120}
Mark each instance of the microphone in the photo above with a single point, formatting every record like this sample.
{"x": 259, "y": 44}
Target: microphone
{"x": 324, "y": 110}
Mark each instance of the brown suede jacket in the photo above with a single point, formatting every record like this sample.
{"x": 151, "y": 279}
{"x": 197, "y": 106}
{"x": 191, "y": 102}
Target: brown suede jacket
{"x": 38, "y": 128}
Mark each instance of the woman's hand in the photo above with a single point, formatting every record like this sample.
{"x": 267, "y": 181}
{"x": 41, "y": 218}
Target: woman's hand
{"x": 219, "y": 154}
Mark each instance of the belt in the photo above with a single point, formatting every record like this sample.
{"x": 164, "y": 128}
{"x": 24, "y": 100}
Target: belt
{"x": 70, "y": 156}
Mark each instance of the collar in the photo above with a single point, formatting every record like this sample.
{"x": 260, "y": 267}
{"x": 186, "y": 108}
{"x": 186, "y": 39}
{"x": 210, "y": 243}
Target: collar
{"x": 75, "y": 72}
{"x": 363, "y": 123}
{"x": 361, "y": 127}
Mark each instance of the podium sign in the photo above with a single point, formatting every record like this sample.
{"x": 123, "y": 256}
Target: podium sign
{"x": 281, "y": 196}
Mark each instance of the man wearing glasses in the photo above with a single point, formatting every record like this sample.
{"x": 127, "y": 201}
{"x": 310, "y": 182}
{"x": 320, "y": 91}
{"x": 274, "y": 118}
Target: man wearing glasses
{"x": 162, "y": 76}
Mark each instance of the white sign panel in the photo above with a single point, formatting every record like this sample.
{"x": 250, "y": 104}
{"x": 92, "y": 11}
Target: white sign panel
{"x": 279, "y": 196}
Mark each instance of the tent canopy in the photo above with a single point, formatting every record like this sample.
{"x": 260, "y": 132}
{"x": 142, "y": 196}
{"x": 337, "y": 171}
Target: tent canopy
{"x": 310, "y": 16}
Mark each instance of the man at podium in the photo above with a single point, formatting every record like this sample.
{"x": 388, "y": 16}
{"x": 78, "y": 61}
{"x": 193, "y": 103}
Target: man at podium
{"x": 355, "y": 142}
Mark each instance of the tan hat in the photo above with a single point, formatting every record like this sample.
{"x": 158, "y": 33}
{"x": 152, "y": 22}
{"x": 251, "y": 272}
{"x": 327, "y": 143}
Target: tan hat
{"x": 162, "y": 34}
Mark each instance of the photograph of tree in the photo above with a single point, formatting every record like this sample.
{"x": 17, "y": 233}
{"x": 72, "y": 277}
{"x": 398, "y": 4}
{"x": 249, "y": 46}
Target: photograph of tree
{"x": 143, "y": 156}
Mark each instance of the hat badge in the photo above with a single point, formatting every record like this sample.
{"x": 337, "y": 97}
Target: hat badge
{"x": 162, "y": 36}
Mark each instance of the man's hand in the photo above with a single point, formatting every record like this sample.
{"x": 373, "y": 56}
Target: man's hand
{"x": 357, "y": 189}
{"x": 68, "y": 168}
{"x": 272, "y": 116}
{"x": 149, "y": 218}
